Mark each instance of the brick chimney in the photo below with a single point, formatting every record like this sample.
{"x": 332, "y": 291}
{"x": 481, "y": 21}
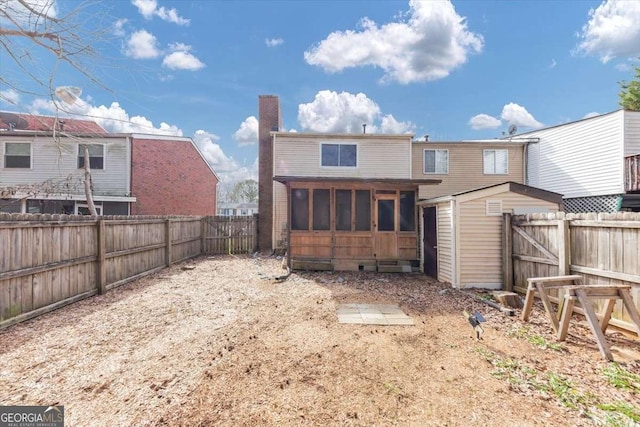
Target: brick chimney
{"x": 269, "y": 119}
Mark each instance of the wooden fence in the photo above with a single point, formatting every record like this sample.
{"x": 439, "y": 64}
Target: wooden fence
{"x": 47, "y": 261}
{"x": 603, "y": 248}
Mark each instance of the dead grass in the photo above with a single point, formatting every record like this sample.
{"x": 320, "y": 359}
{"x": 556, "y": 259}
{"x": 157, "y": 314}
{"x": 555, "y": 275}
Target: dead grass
{"x": 223, "y": 344}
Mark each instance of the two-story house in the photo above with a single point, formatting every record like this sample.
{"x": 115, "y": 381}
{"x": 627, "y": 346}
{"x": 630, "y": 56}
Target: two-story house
{"x": 594, "y": 162}
{"x": 42, "y": 170}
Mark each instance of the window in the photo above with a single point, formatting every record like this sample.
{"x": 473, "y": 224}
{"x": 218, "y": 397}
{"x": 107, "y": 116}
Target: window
{"x": 496, "y": 162}
{"x": 407, "y": 211}
{"x": 83, "y": 209}
{"x": 343, "y": 210}
{"x": 436, "y": 161}
{"x": 363, "y": 210}
{"x": 321, "y": 209}
{"x": 17, "y": 155}
{"x": 244, "y": 212}
{"x": 299, "y": 209}
{"x": 96, "y": 156}
{"x": 339, "y": 155}
{"x": 386, "y": 215}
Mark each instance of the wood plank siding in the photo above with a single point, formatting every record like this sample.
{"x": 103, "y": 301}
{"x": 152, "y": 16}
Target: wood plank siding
{"x": 298, "y": 154}
{"x": 465, "y": 168}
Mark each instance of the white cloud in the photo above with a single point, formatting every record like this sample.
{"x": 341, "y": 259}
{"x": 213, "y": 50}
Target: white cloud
{"x": 112, "y": 118}
{"x": 389, "y": 124}
{"x": 515, "y": 114}
{"x": 333, "y": 112}
{"x": 591, "y": 114}
{"x": 613, "y": 30}
{"x": 149, "y": 8}
{"x": 9, "y": 96}
{"x": 553, "y": 63}
{"x": 227, "y": 168}
{"x": 426, "y": 46}
{"x": 182, "y": 60}
{"x": 23, "y": 16}
{"x": 273, "y": 42}
{"x": 142, "y": 45}
{"x": 484, "y": 121}
{"x": 247, "y": 134}
{"x": 118, "y": 27}
{"x": 624, "y": 67}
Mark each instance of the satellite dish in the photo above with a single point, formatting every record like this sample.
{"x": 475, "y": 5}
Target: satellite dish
{"x": 68, "y": 94}
{"x": 513, "y": 129}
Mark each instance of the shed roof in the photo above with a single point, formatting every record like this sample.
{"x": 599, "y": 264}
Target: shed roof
{"x": 511, "y": 186}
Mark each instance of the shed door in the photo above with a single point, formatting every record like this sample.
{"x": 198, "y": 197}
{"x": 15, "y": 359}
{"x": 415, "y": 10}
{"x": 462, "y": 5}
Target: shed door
{"x": 430, "y": 242}
{"x": 386, "y": 234}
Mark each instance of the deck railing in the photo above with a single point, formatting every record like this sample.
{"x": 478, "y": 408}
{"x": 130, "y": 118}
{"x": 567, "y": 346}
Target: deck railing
{"x": 632, "y": 173}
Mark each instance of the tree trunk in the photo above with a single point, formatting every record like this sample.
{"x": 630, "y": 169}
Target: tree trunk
{"x": 87, "y": 181}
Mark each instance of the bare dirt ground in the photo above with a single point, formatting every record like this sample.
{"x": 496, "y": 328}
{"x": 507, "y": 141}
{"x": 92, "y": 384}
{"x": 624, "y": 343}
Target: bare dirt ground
{"x": 224, "y": 344}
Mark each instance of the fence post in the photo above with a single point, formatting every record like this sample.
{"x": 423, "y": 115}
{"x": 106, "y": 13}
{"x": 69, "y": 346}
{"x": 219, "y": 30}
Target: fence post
{"x": 102, "y": 267}
{"x": 507, "y": 252}
{"x": 256, "y": 231}
{"x": 203, "y": 235}
{"x": 564, "y": 248}
{"x": 167, "y": 249}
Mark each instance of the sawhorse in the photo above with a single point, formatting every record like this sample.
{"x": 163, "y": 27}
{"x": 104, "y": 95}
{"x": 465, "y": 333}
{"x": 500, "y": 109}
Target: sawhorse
{"x": 576, "y": 290}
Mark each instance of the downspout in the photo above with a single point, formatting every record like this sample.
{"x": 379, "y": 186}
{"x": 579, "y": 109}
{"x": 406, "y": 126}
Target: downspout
{"x": 288, "y": 254}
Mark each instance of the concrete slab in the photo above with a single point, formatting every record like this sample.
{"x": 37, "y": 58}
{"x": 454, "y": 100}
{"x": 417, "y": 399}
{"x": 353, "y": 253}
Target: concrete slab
{"x": 372, "y": 314}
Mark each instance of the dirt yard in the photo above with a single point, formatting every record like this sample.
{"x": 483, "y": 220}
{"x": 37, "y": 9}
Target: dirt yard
{"x": 224, "y": 344}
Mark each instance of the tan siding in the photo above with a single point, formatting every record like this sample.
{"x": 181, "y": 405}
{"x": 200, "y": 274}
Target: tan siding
{"x": 480, "y": 246}
{"x": 280, "y": 214}
{"x": 445, "y": 243}
{"x": 465, "y": 167}
{"x": 378, "y": 157}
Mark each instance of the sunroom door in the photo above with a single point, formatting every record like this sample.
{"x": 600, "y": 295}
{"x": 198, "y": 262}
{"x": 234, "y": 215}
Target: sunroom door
{"x": 386, "y": 235}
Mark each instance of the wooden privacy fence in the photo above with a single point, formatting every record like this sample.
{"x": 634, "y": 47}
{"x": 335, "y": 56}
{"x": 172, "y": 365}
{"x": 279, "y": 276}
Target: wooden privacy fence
{"x": 603, "y": 248}
{"x": 47, "y": 261}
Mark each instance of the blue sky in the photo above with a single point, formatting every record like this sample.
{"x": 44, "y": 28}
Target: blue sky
{"x": 461, "y": 70}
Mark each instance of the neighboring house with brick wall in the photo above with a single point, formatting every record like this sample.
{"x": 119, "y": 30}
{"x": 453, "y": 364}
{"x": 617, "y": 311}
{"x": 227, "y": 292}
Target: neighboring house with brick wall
{"x": 41, "y": 170}
{"x": 170, "y": 176}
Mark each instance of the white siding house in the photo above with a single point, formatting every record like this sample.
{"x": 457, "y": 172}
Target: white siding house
{"x": 50, "y": 170}
{"x": 585, "y": 160}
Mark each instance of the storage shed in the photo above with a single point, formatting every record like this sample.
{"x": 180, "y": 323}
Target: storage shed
{"x": 462, "y": 232}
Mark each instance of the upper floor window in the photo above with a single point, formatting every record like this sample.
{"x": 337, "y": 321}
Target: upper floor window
{"x": 17, "y": 155}
{"x": 436, "y": 161}
{"x": 96, "y": 156}
{"x": 496, "y": 162}
{"x": 339, "y": 155}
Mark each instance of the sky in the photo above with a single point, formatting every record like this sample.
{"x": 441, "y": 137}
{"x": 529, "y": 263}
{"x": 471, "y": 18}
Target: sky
{"x": 451, "y": 70}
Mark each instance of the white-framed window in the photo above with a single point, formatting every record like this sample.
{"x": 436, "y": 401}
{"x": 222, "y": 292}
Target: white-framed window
{"x": 342, "y": 155}
{"x": 496, "y": 162}
{"x": 17, "y": 155}
{"x": 83, "y": 208}
{"x": 96, "y": 156}
{"x": 436, "y": 161}
{"x": 244, "y": 212}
